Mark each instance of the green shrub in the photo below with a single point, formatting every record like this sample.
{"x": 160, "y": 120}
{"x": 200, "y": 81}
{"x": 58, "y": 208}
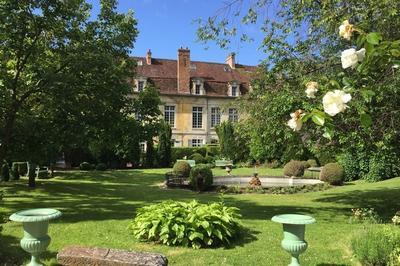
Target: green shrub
{"x": 5, "y": 171}
{"x": 197, "y": 157}
{"x": 201, "y": 177}
{"x": 42, "y": 173}
{"x": 312, "y": 163}
{"x": 187, "y": 224}
{"x": 14, "y": 171}
{"x": 272, "y": 164}
{"x": 294, "y": 168}
{"x": 31, "y": 175}
{"x": 182, "y": 168}
{"x": 101, "y": 167}
{"x": 375, "y": 245}
{"x": 85, "y": 166}
{"x": 209, "y": 159}
{"x": 394, "y": 258}
{"x": 180, "y": 152}
{"x": 332, "y": 173}
{"x": 305, "y": 164}
{"x": 351, "y": 167}
{"x": 383, "y": 165}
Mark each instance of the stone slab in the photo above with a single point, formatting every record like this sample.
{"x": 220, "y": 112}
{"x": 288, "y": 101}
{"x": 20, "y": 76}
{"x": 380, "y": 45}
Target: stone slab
{"x": 74, "y": 256}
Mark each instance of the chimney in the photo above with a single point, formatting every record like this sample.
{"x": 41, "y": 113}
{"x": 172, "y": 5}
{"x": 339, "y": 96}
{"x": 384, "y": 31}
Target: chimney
{"x": 184, "y": 70}
{"x": 148, "y": 57}
{"x": 230, "y": 60}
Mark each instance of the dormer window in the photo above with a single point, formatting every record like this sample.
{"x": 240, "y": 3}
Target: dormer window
{"x": 140, "y": 84}
{"x": 198, "y": 86}
{"x": 234, "y": 89}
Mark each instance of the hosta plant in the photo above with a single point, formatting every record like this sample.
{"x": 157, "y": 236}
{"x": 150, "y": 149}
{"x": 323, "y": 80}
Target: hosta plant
{"x": 189, "y": 224}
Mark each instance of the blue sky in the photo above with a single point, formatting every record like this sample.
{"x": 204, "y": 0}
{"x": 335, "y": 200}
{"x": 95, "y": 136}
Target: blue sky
{"x": 165, "y": 25}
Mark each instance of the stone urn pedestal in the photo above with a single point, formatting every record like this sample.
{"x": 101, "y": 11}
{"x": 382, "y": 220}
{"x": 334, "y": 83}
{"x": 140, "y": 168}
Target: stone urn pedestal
{"x": 293, "y": 234}
{"x": 35, "y": 223}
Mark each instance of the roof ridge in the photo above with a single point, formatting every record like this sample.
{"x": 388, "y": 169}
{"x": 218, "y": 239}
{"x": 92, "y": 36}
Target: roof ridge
{"x": 194, "y": 61}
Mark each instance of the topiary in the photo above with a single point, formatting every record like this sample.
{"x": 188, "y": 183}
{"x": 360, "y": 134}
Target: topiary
{"x": 306, "y": 164}
{"x": 294, "y": 168}
{"x": 101, "y": 167}
{"x": 201, "y": 177}
{"x": 85, "y": 166}
{"x": 14, "y": 171}
{"x": 5, "y": 171}
{"x": 182, "y": 168}
{"x": 198, "y": 158}
{"x": 332, "y": 173}
{"x": 312, "y": 163}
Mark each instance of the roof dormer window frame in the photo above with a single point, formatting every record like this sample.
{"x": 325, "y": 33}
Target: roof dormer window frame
{"x": 198, "y": 86}
{"x": 140, "y": 84}
{"x": 234, "y": 88}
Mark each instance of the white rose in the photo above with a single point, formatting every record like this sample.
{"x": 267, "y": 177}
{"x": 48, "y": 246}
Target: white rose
{"x": 295, "y": 122}
{"x": 334, "y": 102}
{"x": 311, "y": 89}
{"x": 351, "y": 57}
{"x": 346, "y": 30}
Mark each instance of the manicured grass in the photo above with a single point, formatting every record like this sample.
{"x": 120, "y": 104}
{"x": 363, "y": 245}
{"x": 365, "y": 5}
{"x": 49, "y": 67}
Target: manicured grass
{"x": 98, "y": 206}
{"x": 262, "y": 171}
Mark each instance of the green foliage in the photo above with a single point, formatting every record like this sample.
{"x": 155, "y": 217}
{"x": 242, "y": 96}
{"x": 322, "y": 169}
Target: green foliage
{"x": 332, "y": 173}
{"x": 305, "y": 164}
{"x": 312, "y": 163}
{"x": 272, "y": 164}
{"x": 42, "y": 173}
{"x": 182, "y": 168}
{"x": 31, "y": 174}
{"x": 150, "y": 159}
{"x": 351, "y": 168}
{"x": 14, "y": 171}
{"x": 164, "y": 145}
{"x": 294, "y": 168}
{"x": 233, "y": 145}
{"x": 181, "y": 152}
{"x": 187, "y": 224}
{"x": 274, "y": 190}
{"x": 198, "y": 158}
{"x": 5, "y": 171}
{"x": 375, "y": 245}
{"x": 201, "y": 177}
{"x": 22, "y": 167}
{"x": 382, "y": 166}
{"x": 101, "y": 167}
{"x": 209, "y": 159}
{"x": 85, "y": 166}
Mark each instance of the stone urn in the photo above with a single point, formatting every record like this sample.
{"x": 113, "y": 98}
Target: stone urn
{"x": 35, "y": 223}
{"x": 293, "y": 234}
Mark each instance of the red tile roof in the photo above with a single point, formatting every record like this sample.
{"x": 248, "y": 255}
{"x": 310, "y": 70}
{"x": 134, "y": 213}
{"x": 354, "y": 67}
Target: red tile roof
{"x": 163, "y": 73}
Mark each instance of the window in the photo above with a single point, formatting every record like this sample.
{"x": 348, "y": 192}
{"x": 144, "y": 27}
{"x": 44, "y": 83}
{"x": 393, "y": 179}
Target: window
{"x": 233, "y": 115}
{"x": 197, "y": 117}
{"x": 215, "y": 116}
{"x": 169, "y": 115}
{"x": 234, "y": 91}
{"x": 197, "y": 89}
{"x": 140, "y": 85}
{"x": 198, "y": 86}
{"x": 195, "y": 142}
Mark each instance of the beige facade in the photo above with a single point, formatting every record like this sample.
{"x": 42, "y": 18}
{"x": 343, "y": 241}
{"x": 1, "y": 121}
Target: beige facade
{"x": 183, "y": 130}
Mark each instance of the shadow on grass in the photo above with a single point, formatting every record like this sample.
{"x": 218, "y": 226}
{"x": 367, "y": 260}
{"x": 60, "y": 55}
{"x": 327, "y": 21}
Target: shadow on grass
{"x": 386, "y": 201}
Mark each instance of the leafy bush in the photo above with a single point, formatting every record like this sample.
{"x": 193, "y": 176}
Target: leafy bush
{"x": 351, "y": 167}
{"x": 187, "y": 224}
{"x": 5, "y": 171}
{"x": 85, "y": 166}
{"x": 180, "y": 152}
{"x": 294, "y": 168}
{"x": 182, "y": 168}
{"x": 364, "y": 215}
{"x": 394, "y": 258}
{"x": 198, "y": 158}
{"x": 312, "y": 163}
{"x": 101, "y": 167}
{"x": 332, "y": 173}
{"x": 305, "y": 164}
{"x": 274, "y": 190}
{"x": 209, "y": 159}
{"x": 201, "y": 177}
{"x": 14, "y": 171}
{"x": 272, "y": 164}
{"x": 375, "y": 246}
{"x": 383, "y": 165}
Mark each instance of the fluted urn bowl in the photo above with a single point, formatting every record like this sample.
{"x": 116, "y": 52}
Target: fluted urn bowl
{"x": 35, "y": 223}
{"x": 293, "y": 234}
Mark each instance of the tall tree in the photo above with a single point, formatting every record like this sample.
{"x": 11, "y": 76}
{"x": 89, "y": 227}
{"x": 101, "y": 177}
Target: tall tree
{"x": 61, "y": 72}
{"x": 164, "y": 145}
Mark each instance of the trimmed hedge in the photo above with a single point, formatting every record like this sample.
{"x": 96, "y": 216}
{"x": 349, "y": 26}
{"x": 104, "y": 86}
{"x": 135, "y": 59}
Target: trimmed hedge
{"x": 312, "y": 163}
{"x": 198, "y": 158}
{"x": 85, "y": 166}
{"x": 180, "y": 152}
{"x": 182, "y": 168}
{"x": 201, "y": 177}
{"x": 294, "y": 168}
{"x": 101, "y": 167}
{"x": 332, "y": 173}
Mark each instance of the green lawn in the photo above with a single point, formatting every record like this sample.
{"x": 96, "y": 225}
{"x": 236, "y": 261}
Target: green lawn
{"x": 98, "y": 206}
{"x": 262, "y": 171}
